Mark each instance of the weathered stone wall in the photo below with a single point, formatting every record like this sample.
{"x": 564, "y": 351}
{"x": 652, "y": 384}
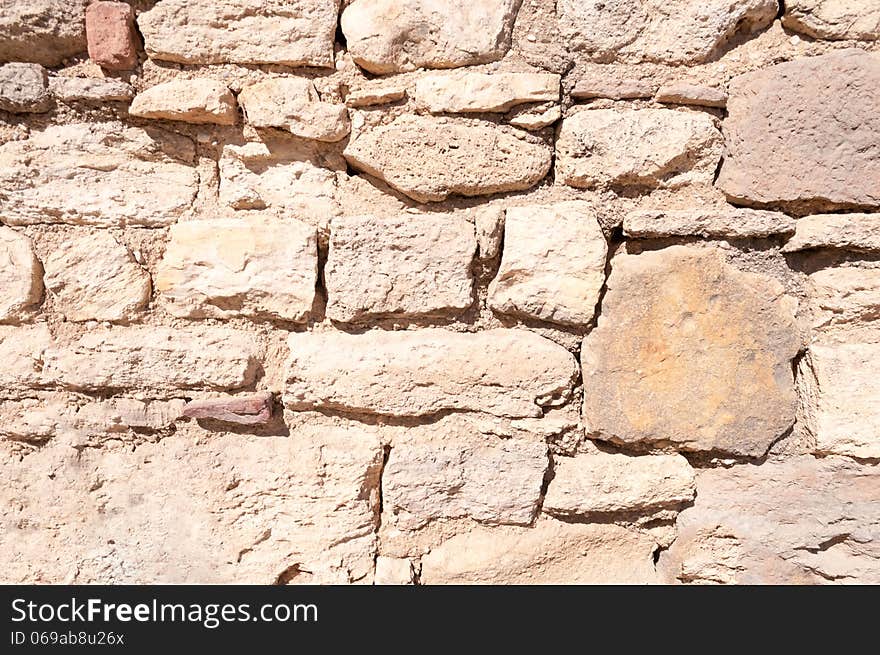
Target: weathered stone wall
{"x": 405, "y": 291}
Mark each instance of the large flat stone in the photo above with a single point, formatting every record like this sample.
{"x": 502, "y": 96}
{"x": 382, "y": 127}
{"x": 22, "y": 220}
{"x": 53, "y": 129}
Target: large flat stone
{"x": 732, "y": 222}
{"x": 467, "y": 92}
{"x": 199, "y": 100}
{"x": 833, "y": 19}
{"x": 858, "y": 232}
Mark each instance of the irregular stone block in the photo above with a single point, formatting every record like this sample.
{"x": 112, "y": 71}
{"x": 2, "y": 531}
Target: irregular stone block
{"x": 859, "y": 232}
{"x": 248, "y": 409}
{"x": 464, "y": 92}
{"x": 803, "y": 521}
{"x": 489, "y": 226}
{"x": 404, "y": 266}
{"x": 803, "y": 134}
{"x": 682, "y": 93}
{"x": 290, "y": 32}
{"x": 428, "y": 159}
{"x": 690, "y": 351}
{"x": 376, "y": 94}
{"x": 117, "y": 414}
{"x": 292, "y": 103}
{"x": 389, "y": 36}
{"x": 21, "y": 351}
{"x": 710, "y": 222}
{"x": 233, "y": 267}
{"x": 553, "y": 264}
{"x": 830, "y": 19}
{"x": 534, "y": 117}
{"x": 846, "y": 297}
{"x": 394, "y": 571}
{"x": 644, "y": 147}
{"x": 24, "y": 89}
{"x": 88, "y": 89}
{"x": 198, "y": 100}
{"x": 97, "y": 174}
{"x": 21, "y": 276}
{"x": 610, "y": 86}
{"x": 110, "y": 35}
{"x": 42, "y": 31}
{"x": 512, "y": 373}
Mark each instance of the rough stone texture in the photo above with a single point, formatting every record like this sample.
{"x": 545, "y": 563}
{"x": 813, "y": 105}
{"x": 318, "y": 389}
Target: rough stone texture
{"x": 804, "y": 134}
{"x": 110, "y": 35}
{"x": 710, "y": 222}
{"x": 239, "y": 267}
{"x": 191, "y": 101}
{"x": 671, "y": 321}
{"x": 388, "y": 36}
{"x": 496, "y": 484}
{"x": 292, "y": 103}
{"x": 859, "y": 232}
{"x": 97, "y": 174}
{"x": 646, "y": 147}
{"x": 553, "y": 266}
{"x": 21, "y": 351}
{"x": 291, "y": 32}
{"x": 803, "y": 521}
{"x": 394, "y": 571}
{"x": 534, "y": 117}
{"x": 89, "y": 89}
{"x": 93, "y": 277}
{"x": 484, "y": 92}
{"x": 513, "y": 373}
{"x": 601, "y": 86}
{"x": 248, "y": 409}
{"x": 376, "y": 94}
{"x": 840, "y": 398}
{"x": 845, "y": 297}
{"x": 21, "y": 276}
{"x": 428, "y": 159}
{"x": 681, "y": 93}
{"x": 832, "y": 19}
{"x": 550, "y": 553}
{"x": 42, "y": 31}
{"x": 607, "y": 483}
{"x": 24, "y": 89}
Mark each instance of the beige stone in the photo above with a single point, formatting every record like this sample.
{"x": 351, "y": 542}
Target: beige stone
{"x": 553, "y": 265}
{"x": 91, "y": 276}
{"x": 709, "y": 222}
{"x": 803, "y": 521}
{"x": 389, "y": 36}
{"x": 33, "y": 420}
{"x": 42, "y": 31}
{"x": 552, "y": 552}
{"x": 394, "y": 571}
{"x": 692, "y": 352}
{"x": 90, "y": 89}
{"x": 534, "y": 117}
{"x": 844, "y": 297}
{"x": 683, "y": 93}
{"x": 493, "y": 483}
{"x": 199, "y": 100}
{"x": 489, "y": 226}
{"x": 463, "y": 92}
{"x": 228, "y": 267}
{"x": 596, "y": 483}
{"x": 512, "y": 373}
{"x": 604, "y": 84}
{"x": 97, "y": 174}
{"x": 154, "y": 358}
{"x": 381, "y": 93}
{"x": 645, "y": 147}
{"x": 21, "y": 351}
{"x": 859, "y": 232}
{"x": 116, "y": 414}
{"x": 21, "y": 276}
{"x": 24, "y": 89}
{"x": 834, "y": 19}
{"x": 429, "y": 159}
{"x": 290, "y": 32}
{"x": 293, "y": 104}
{"x": 803, "y": 134}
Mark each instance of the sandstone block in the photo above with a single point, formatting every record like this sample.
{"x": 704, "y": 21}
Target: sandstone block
{"x": 246, "y": 409}
{"x": 428, "y": 159}
{"x": 42, "y": 31}
{"x": 464, "y": 92}
{"x": 645, "y": 147}
{"x": 97, "y": 174}
{"x": 88, "y": 89}
{"x": 394, "y": 571}
{"x": 376, "y": 94}
{"x": 24, "y": 89}
{"x": 290, "y": 32}
{"x": 21, "y": 351}
{"x": 405, "y": 266}
{"x": 21, "y": 276}
{"x": 553, "y": 265}
{"x": 534, "y": 117}
{"x": 692, "y": 352}
{"x": 709, "y": 222}
{"x": 110, "y": 35}
{"x": 803, "y": 134}
{"x": 489, "y": 226}
{"x": 117, "y": 414}
{"x": 859, "y": 232}
{"x": 682, "y": 93}
{"x": 512, "y": 373}
{"x": 199, "y": 100}
{"x": 292, "y": 103}
{"x": 828, "y": 19}
{"x": 608, "y": 85}
{"x": 389, "y": 36}
{"x": 844, "y": 297}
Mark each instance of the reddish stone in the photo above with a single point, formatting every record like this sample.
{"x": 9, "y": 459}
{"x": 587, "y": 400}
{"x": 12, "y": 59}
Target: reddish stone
{"x": 248, "y": 409}
{"x": 110, "y": 35}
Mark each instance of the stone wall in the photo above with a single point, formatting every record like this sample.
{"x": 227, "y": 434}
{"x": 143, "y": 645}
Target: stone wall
{"x": 404, "y": 291}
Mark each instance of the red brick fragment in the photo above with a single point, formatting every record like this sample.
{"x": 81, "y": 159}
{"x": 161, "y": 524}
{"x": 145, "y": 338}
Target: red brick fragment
{"x": 110, "y": 35}
{"x": 247, "y": 409}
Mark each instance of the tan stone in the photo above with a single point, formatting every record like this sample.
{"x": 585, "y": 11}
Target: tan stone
{"x": 290, "y": 32}
{"x": 394, "y": 571}
{"x": 90, "y": 89}
{"x": 154, "y": 358}
{"x": 859, "y": 232}
{"x": 116, "y": 414}
{"x": 199, "y": 100}
{"x": 24, "y": 89}
{"x": 239, "y": 267}
{"x": 844, "y": 297}
{"x": 388, "y": 36}
{"x": 682, "y": 93}
{"x": 428, "y": 159}
{"x": 552, "y": 552}
{"x": 381, "y": 93}
{"x": 833, "y": 19}
{"x": 594, "y": 483}
{"x": 91, "y": 276}
{"x": 292, "y": 103}
{"x": 708, "y": 222}
{"x": 645, "y": 147}
{"x": 553, "y": 265}
{"x": 404, "y": 266}
{"x": 42, "y": 31}
{"x": 489, "y": 226}
{"x": 463, "y": 92}
{"x": 512, "y": 373}
{"x": 803, "y": 134}
{"x": 21, "y": 351}
{"x": 21, "y": 276}
{"x": 608, "y": 85}
{"x": 97, "y": 174}
{"x": 690, "y": 351}
{"x": 534, "y": 117}
{"x": 802, "y": 521}
{"x": 32, "y": 420}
